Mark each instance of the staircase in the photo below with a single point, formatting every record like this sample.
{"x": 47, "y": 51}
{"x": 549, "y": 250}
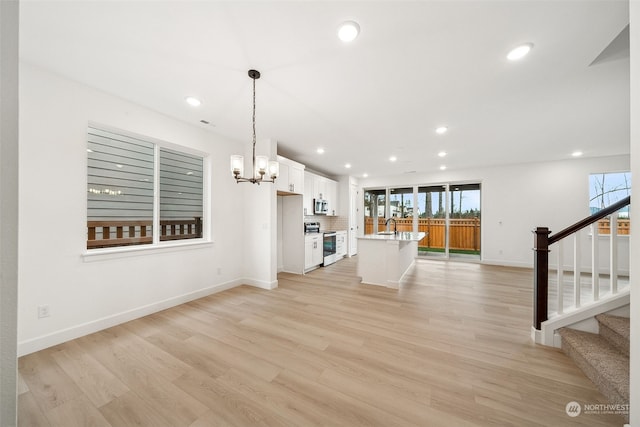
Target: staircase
{"x": 603, "y": 357}
{"x": 571, "y": 302}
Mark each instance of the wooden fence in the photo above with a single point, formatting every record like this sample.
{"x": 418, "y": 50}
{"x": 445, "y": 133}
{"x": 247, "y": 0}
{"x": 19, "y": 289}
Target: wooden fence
{"x": 106, "y": 234}
{"x": 623, "y": 226}
{"x": 464, "y": 233}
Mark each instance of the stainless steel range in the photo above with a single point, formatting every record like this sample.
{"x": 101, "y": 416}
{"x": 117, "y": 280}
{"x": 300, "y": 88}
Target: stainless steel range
{"x": 329, "y": 247}
{"x": 329, "y": 242}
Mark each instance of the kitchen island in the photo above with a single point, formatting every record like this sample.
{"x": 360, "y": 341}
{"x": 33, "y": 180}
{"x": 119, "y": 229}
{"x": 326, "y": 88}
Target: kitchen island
{"x": 384, "y": 258}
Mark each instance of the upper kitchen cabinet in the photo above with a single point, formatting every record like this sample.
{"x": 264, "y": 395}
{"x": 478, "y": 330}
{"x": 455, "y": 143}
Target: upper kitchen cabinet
{"x": 331, "y": 197}
{"x": 307, "y": 196}
{"x": 319, "y": 187}
{"x": 291, "y": 179}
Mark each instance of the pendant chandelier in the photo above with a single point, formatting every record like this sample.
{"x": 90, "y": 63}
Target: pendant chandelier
{"x": 261, "y": 165}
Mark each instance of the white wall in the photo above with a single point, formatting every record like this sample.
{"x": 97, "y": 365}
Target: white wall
{"x": 85, "y": 296}
{"x": 518, "y": 198}
{"x": 8, "y": 211}
{"x": 260, "y": 264}
{"x": 634, "y": 16}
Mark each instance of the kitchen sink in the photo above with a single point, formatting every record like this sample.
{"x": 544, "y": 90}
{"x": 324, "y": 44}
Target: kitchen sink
{"x": 386, "y": 233}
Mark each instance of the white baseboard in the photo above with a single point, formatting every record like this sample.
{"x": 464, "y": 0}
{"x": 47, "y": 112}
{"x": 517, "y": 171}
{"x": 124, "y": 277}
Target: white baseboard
{"x": 58, "y": 337}
{"x": 536, "y": 335}
{"x": 262, "y": 284}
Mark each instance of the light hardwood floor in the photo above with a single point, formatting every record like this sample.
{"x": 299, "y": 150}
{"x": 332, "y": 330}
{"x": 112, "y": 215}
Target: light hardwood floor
{"x": 450, "y": 348}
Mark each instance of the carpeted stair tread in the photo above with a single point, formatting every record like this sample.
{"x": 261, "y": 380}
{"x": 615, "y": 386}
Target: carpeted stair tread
{"x": 607, "y": 367}
{"x": 616, "y": 330}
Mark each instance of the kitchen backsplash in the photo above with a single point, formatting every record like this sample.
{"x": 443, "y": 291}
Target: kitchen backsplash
{"x": 337, "y": 223}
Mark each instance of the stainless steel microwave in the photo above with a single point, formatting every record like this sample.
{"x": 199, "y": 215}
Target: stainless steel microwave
{"x": 320, "y": 207}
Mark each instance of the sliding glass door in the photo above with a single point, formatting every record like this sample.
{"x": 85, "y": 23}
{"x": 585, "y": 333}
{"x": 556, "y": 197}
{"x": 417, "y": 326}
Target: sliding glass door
{"x": 464, "y": 221}
{"x": 449, "y": 214}
{"x": 374, "y": 210}
{"x": 400, "y": 209}
{"x": 432, "y": 219}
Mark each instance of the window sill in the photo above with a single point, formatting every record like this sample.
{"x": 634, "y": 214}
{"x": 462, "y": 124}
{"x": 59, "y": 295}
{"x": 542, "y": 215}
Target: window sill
{"x": 129, "y": 251}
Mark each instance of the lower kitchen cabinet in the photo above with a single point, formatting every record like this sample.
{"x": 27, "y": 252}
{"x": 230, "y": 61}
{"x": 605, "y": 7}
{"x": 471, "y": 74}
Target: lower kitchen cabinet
{"x": 312, "y": 251}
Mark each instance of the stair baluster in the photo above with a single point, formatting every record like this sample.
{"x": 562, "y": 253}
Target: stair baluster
{"x": 560, "y": 278}
{"x": 613, "y": 261}
{"x": 595, "y": 262}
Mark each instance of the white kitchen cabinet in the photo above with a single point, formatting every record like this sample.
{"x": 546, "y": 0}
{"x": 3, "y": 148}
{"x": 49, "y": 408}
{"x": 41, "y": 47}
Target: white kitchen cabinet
{"x": 313, "y": 256}
{"x": 291, "y": 178}
{"x": 307, "y": 196}
{"x": 332, "y": 197}
{"x": 296, "y": 179}
{"x": 341, "y": 243}
{"x": 319, "y": 187}
{"x": 282, "y": 182}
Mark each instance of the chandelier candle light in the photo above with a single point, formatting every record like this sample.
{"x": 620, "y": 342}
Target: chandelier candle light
{"x": 261, "y": 164}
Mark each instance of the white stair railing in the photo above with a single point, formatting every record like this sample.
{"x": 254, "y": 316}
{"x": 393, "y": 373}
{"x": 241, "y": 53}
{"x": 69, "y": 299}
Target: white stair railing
{"x": 579, "y": 298}
{"x": 543, "y": 242}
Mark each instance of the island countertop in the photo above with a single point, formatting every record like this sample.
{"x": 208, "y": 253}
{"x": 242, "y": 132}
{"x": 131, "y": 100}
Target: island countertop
{"x": 384, "y": 259}
{"x": 405, "y": 236}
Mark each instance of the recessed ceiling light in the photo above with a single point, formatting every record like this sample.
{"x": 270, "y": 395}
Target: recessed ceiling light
{"x": 320, "y": 150}
{"x": 441, "y": 130}
{"x": 364, "y": 175}
{"x": 442, "y": 154}
{"x": 443, "y": 167}
{"x": 194, "y": 102}
{"x": 348, "y": 165}
{"x": 119, "y": 166}
{"x": 393, "y": 158}
{"x": 89, "y": 150}
{"x": 189, "y": 173}
{"x": 348, "y": 31}
{"x": 520, "y": 52}
{"x": 576, "y": 153}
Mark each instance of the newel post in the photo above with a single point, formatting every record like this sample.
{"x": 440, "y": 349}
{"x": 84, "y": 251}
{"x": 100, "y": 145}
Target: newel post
{"x": 541, "y": 276}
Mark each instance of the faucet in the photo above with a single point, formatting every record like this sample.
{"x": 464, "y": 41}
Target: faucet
{"x": 395, "y": 225}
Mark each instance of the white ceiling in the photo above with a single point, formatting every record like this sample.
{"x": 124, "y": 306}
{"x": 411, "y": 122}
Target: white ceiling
{"x": 416, "y": 65}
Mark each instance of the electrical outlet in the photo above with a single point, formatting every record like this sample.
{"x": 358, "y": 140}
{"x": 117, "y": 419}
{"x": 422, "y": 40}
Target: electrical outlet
{"x": 43, "y": 311}
{"x": 219, "y": 271}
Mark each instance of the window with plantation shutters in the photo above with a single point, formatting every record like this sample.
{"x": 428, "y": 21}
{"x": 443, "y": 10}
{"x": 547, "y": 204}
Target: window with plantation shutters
{"x": 123, "y": 174}
{"x": 180, "y": 195}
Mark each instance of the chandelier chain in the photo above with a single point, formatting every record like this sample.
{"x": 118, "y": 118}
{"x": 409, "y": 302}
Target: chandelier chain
{"x": 253, "y": 119}
{"x": 254, "y": 112}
